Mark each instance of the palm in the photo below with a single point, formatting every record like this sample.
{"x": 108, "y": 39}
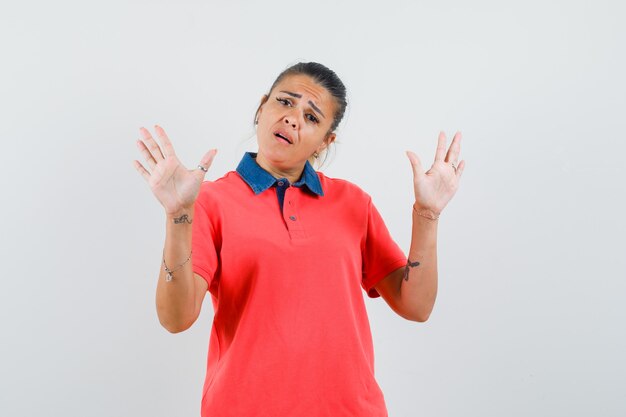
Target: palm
{"x": 436, "y": 187}
{"x": 173, "y": 185}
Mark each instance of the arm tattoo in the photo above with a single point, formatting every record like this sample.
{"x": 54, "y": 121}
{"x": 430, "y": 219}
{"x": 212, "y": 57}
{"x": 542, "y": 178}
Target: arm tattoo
{"x": 406, "y": 269}
{"x": 182, "y": 219}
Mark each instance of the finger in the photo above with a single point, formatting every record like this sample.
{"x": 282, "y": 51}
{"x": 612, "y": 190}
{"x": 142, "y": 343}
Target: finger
{"x": 455, "y": 148}
{"x": 146, "y": 154}
{"x": 151, "y": 144}
{"x": 168, "y": 149}
{"x": 441, "y": 147}
{"x": 145, "y": 174}
{"x": 459, "y": 169}
{"x": 206, "y": 161}
{"x": 415, "y": 164}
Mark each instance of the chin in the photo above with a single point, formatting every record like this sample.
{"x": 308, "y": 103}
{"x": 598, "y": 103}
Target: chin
{"x": 273, "y": 154}
{"x": 280, "y": 158}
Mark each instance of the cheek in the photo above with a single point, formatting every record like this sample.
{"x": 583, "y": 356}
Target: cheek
{"x": 316, "y": 140}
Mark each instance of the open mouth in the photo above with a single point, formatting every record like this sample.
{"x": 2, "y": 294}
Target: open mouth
{"x": 281, "y": 136}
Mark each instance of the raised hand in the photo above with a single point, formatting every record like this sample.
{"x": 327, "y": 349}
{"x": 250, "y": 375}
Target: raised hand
{"x": 173, "y": 185}
{"x": 436, "y": 187}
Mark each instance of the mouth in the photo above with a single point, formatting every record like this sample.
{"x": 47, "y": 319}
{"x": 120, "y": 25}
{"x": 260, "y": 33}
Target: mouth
{"x": 282, "y": 136}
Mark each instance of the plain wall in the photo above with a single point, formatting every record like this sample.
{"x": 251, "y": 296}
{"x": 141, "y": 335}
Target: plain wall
{"x": 529, "y": 316}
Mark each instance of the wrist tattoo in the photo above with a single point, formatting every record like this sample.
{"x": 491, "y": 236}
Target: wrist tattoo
{"x": 182, "y": 219}
{"x": 409, "y": 264}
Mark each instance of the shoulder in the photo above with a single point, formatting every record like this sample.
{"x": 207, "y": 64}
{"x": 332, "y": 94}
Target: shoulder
{"x": 211, "y": 192}
{"x": 338, "y": 187}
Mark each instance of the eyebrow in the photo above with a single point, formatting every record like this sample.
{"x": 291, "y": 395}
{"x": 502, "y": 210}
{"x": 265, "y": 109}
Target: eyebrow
{"x": 310, "y": 102}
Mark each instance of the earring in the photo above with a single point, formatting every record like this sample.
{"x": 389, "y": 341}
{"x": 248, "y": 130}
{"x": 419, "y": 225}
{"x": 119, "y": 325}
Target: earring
{"x": 316, "y": 155}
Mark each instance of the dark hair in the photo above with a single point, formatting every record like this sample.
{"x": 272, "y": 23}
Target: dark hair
{"x": 326, "y": 78}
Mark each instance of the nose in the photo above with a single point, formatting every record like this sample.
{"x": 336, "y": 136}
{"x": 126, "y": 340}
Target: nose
{"x": 290, "y": 120}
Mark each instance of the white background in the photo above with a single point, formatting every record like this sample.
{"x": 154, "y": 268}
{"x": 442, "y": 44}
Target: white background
{"x": 528, "y": 320}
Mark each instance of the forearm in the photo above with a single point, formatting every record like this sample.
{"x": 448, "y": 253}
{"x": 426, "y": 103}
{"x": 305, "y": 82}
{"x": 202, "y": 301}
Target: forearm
{"x": 419, "y": 287}
{"x": 175, "y": 298}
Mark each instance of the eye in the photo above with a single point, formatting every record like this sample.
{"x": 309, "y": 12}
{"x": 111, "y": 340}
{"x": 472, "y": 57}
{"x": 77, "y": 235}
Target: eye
{"x": 283, "y": 101}
{"x": 312, "y": 118}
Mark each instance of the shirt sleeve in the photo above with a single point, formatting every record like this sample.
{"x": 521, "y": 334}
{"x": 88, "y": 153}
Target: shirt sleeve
{"x": 381, "y": 255}
{"x": 205, "y": 244}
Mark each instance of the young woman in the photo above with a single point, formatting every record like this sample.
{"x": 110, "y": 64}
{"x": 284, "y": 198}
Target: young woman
{"x": 285, "y": 253}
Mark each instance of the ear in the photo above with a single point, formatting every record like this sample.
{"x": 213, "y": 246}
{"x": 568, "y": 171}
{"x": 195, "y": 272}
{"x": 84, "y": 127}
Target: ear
{"x": 327, "y": 141}
{"x": 264, "y": 98}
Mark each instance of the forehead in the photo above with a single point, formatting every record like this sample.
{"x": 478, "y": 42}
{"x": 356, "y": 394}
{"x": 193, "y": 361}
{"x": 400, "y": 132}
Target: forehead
{"x": 308, "y": 88}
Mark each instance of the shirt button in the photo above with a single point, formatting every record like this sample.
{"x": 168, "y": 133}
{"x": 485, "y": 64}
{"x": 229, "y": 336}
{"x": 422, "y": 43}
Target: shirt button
{"x": 293, "y": 218}
{"x": 281, "y": 183}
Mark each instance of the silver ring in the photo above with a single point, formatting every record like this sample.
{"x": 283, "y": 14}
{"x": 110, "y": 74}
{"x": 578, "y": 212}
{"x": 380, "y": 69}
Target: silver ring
{"x": 203, "y": 168}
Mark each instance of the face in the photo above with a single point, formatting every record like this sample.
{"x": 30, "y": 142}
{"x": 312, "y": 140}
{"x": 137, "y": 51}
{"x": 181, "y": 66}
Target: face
{"x": 293, "y": 122}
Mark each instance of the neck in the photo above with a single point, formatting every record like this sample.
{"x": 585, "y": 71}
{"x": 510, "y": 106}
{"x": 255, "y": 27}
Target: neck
{"x": 292, "y": 174}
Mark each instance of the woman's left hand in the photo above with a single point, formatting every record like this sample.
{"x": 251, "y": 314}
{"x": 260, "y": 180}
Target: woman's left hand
{"x": 435, "y": 187}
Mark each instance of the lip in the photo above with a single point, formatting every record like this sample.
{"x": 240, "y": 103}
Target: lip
{"x": 282, "y": 141}
{"x": 283, "y": 133}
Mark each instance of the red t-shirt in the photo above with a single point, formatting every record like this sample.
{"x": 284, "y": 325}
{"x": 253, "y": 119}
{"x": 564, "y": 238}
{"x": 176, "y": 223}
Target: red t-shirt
{"x": 290, "y": 334}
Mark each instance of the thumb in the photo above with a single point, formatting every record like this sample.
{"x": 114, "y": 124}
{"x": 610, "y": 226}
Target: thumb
{"x": 206, "y": 162}
{"x": 415, "y": 164}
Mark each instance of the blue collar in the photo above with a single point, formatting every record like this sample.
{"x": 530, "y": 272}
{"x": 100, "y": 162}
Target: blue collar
{"x": 260, "y": 180}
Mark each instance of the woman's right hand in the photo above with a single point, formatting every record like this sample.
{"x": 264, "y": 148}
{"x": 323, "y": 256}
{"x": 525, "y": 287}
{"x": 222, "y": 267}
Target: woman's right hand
{"x": 173, "y": 185}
